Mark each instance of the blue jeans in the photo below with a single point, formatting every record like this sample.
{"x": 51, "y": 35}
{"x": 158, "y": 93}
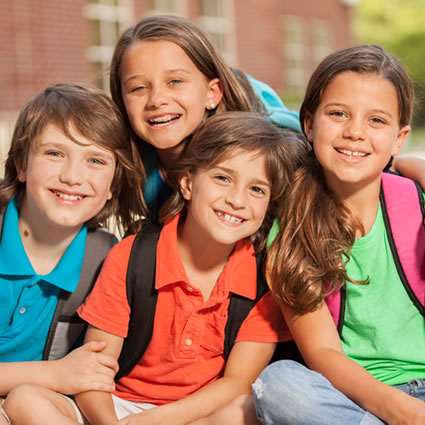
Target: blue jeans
{"x": 287, "y": 393}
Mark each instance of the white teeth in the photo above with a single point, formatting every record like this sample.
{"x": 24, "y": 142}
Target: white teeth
{"x": 68, "y": 197}
{"x": 229, "y": 218}
{"x": 163, "y": 120}
{"x": 351, "y": 153}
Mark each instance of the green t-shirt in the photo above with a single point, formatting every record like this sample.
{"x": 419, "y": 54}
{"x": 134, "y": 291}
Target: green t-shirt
{"x": 383, "y": 331}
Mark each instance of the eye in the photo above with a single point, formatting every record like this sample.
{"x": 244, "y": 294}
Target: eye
{"x": 220, "y": 178}
{"x": 378, "y": 120}
{"x": 54, "y": 154}
{"x": 97, "y": 161}
{"x": 175, "y": 81}
{"x": 337, "y": 114}
{"x": 137, "y": 89}
{"x": 259, "y": 191}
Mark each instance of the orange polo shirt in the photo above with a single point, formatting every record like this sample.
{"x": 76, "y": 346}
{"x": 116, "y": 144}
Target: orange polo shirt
{"x": 186, "y": 349}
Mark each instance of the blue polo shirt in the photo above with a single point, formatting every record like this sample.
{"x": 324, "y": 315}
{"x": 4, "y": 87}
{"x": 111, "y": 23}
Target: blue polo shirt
{"x": 28, "y": 300}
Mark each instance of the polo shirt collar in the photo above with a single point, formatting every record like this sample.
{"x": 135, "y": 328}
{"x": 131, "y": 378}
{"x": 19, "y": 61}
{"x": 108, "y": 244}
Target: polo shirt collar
{"x": 14, "y": 260}
{"x": 240, "y": 271}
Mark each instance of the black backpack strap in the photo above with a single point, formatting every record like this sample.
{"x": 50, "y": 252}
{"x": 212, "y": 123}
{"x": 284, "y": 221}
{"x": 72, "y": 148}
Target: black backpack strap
{"x": 240, "y": 307}
{"x": 142, "y": 297}
{"x": 66, "y": 326}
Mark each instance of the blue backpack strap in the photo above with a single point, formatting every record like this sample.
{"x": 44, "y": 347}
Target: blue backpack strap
{"x": 279, "y": 114}
{"x": 403, "y": 209}
{"x": 66, "y": 327}
{"x": 142, "y": 297}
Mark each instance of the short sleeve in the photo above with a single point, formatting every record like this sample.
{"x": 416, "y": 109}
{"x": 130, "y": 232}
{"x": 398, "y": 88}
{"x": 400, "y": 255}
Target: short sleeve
{"x": 265, "y": 323}
{"x": 106, "y": 307}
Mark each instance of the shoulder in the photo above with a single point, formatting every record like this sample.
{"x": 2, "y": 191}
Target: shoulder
{"x": 265, "y": 323}
{"x": 121, "y": 251}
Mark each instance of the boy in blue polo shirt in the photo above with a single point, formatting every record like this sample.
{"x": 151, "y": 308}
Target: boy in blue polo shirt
{"x": 69, "y": 154}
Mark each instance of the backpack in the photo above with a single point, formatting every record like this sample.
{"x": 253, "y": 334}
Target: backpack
{"x": 142, "y": 297}
{"x": 403, "y": 210}
{"x": 67, "y": 329}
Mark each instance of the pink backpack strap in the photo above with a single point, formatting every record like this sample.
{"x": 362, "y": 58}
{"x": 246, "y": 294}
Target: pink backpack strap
{"x": 403, "y": 210}
{"x": 336, "y": 305}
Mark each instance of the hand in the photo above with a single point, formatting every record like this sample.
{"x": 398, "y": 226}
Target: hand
{"x": 84, "y": 369}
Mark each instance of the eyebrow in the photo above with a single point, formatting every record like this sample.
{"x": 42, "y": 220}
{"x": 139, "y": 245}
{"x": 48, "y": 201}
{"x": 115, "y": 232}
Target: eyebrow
{"x": 254, "y": 181}
{"x": 168, "y": 71}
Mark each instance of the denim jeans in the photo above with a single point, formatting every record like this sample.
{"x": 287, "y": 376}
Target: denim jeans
{"x": 287, "y": 393}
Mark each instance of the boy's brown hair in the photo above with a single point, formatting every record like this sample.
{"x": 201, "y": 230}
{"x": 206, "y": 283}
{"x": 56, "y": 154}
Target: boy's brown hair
{"x": 91, "y": 113}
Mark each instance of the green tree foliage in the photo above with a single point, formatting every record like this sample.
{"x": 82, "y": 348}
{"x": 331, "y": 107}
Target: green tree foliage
{"x": 398, "y": 26}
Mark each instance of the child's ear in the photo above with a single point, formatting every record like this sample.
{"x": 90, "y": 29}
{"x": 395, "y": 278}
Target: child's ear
{"x": 185, "y": 183}
{"x": 215, "y": 94}
{"x": 22, "y": 174}
{"x": 401, "y": 138}
{"x": 308, "y": 127}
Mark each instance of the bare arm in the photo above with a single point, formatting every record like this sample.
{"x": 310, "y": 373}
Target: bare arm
{"x": 246, "y": 361}
{"x": 412, "y": 167}
{"x": 319, "y": 343}
{"x": 81, "y": 370}
{"x": 90, "y": 401}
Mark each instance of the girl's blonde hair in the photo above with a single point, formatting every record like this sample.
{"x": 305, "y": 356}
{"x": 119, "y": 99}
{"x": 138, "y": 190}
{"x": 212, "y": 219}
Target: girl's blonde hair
{"x": 195, "y": 43}
{"x": 307, "y": 258}
{"x": 226, "y": 134}
{"x": 91, "y": 113}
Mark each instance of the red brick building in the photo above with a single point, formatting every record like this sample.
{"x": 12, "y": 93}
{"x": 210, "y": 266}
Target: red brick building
{"x": 48, "y": 41}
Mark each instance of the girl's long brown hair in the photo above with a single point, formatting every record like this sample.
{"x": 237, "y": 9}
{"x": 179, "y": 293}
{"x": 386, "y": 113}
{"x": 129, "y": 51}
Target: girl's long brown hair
{"x": 307, "y": 258}
{"x": 316, "y": 231}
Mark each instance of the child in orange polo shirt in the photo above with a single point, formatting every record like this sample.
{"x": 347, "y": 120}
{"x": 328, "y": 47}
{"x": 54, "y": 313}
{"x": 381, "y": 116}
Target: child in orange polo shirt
{"x": 232, "y": 179}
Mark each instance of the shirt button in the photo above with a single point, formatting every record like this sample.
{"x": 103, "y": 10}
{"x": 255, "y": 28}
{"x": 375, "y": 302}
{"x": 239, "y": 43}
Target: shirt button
{"x": 189, "y": 288}
{"x": 22, "y": 310}
{"x": 188, "y": 341}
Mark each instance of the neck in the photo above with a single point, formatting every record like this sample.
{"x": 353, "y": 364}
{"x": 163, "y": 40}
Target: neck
{"x": 203, "y": 260}
{"x": 43, "y": 244}
{"x": 167, "y": 158}
{"x": 362, "y": 200}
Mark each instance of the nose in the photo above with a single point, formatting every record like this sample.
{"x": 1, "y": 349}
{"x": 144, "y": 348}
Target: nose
{"x": 235, "y": 197}
{"x": 354, "y": 129}
{"x": 72, "y": 173}
{"x": 157, "y": 97}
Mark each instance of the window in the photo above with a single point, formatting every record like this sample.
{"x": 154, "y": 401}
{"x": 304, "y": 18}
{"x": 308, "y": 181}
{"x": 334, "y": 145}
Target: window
{"x": 163, "y": 6}
{"x": 108, "y": 19}
{"x": 321, "y": 41}
{"x": 293, "y": 53}
{"x": 215, "y": 21}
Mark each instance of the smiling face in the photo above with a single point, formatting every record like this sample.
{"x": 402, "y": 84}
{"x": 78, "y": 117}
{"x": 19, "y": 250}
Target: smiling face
{"x": 164, "y": 93}
{"x": 228, "y": 202}
{"x": 67, "y": 184}
{"x": 355, "y": 129}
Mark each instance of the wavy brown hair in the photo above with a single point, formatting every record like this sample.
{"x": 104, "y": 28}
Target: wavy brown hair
{"x": 223, "y": 135}
{"x": 198, "y": 47}
{"x": 92, "y": 114}
{"x": 307, "y": 258}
